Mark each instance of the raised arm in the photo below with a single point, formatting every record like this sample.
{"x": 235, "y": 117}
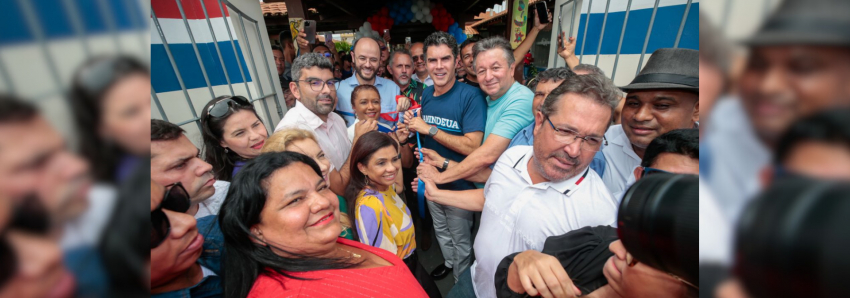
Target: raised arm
{"x": 567, "y": 50}
{"x": 525, "y": 46}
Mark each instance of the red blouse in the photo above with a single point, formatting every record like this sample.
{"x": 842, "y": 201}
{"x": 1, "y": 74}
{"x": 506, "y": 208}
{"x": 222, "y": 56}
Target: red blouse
{"x": 388, "y": 281}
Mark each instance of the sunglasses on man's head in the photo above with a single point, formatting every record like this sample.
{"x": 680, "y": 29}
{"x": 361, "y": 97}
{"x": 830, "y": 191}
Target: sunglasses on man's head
{"x": 175, "y": 199}
{"x": 222, "y": 107}
{"x": 327, "y": 54}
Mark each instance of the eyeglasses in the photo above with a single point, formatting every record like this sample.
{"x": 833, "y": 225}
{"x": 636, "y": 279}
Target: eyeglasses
{"x": 222, "y": 107}
{"x": 175, "y": 199}
{"x": 567, "y": 136}
{"x": 418, "y": 58}
{"x": 317, "y": 85}
{"x": 383, "y": 48}
{"x": 650, "y": 171}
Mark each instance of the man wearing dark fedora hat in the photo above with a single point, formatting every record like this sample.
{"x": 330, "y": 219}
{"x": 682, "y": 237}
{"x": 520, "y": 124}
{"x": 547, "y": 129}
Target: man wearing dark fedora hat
{"x": 799, "y": 64}
{"x": 663, "y": 97}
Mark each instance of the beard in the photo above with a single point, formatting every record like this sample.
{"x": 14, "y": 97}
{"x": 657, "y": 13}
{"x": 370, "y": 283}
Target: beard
{"x": 557, "y": 174}
{"x": 403, "y": 80}
{"x": 324, "y": 109}
{"x": 359, "y": 70}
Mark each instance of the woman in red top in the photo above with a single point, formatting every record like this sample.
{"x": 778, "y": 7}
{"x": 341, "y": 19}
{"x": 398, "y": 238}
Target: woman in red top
{"x": 281, "y": 225}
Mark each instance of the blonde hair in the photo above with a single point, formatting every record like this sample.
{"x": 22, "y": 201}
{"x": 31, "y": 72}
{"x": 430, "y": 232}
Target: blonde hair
{"x": 278, "y": 141}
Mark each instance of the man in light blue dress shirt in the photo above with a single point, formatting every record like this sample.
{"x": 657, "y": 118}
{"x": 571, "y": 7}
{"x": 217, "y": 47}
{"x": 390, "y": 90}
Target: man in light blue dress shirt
{"x": 366, "y": 57}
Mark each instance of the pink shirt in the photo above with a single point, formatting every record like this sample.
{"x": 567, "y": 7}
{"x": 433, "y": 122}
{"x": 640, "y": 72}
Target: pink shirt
{"x": 332, "y": 135}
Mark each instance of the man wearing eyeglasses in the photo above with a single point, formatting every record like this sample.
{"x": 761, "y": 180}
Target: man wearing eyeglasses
{"x": 542, "y": 190}
{"x": 316, "y": 89}
{"x": 663, "y": 97}
{"x": 417, "y": 52}
{"x": 367, "y": 60}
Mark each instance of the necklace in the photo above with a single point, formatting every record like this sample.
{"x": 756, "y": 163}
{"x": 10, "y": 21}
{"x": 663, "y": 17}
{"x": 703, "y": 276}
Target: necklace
{"x": 352, "y": 254}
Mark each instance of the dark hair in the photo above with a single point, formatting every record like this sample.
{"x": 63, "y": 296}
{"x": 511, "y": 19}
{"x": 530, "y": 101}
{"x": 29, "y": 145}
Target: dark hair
{"x": 246, "y": 198}
{"x": 309, "y": 60}
{"x": 366, "y": 146}
{"x": 14, "y": 110}
{"x": 162, "y": 130}
{"x": 830, "y": 126}
{"x": 473, "y": 39}
{"x": 552, "y": 74}
{"x": 314, "y": 46}
{"x": 212, "y": 130}
{"x": 440, "y": 38}
{"x": 361, "y": 88}
{"x": 125, "y": 239}
{"x": 89, "y": 86}
{"x": 277, "y": 48}
{"x": 678, "y": 141}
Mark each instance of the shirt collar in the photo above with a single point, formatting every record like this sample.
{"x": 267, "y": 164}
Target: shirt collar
{"x": 622, "y": 140}
{"x": 566, "y": 187}
{"x": 309, "y": 118}
{"x": 491, "y": 102}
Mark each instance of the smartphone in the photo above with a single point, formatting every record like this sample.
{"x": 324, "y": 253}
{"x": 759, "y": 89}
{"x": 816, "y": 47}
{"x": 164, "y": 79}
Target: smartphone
{"x": 542, "y": 12}
{"x": 407, "y": 40}
{"x": 310, "y": 30}
{"x": 329, "y": 36}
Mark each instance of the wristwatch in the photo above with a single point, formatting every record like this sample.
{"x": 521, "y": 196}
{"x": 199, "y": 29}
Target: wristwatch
{"x": 433, "y": 131}
{"x": 445, "y": 165}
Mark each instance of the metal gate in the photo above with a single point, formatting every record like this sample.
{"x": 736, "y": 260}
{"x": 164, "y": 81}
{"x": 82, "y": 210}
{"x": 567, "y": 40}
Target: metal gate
{"x": 606, "y": 41}
{"x": 217, "y": 56}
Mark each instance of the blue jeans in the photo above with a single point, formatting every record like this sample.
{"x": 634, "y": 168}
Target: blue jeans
{"x": 464, "y": 288}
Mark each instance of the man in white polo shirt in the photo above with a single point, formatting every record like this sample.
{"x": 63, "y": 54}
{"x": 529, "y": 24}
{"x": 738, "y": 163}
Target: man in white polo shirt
{"x": 542, "y": 190}
{"x": 663, "y": 97}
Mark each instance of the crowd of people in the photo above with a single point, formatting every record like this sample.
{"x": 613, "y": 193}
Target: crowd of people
{"x": 381, "y": 149}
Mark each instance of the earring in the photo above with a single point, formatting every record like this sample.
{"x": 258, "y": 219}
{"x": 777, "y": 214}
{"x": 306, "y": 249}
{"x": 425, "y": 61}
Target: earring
{"x": 367, "y": 180}
{"x": 225, "y": 150}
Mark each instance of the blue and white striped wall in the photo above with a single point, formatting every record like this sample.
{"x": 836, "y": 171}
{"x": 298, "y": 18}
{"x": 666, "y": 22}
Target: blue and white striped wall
{"x": 222, "y": 64}
{"x": 665, "y": 29}
{"x": 43, "y": 42}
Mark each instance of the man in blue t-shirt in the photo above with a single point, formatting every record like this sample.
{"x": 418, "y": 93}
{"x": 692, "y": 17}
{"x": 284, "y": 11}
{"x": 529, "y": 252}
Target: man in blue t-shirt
{"x": 452, "y": 122}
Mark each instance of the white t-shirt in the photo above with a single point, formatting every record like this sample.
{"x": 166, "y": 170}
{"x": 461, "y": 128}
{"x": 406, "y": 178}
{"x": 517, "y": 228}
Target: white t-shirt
{"x": 211, "y": 205}
{"x": 519, "y": 215}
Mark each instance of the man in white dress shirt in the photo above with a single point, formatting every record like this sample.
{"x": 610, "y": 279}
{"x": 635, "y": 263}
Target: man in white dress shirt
{"x": 663, "y": 97}
{"x": 543, "y": 190}
{"x": 314, "y": 86}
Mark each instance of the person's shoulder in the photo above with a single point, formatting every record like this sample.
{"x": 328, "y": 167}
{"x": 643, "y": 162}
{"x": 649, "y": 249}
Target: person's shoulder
{"x": 596, "y": 186}
{"x": 468, "y": 92}
{"x": 513, "y": 154}
{"x": 614, "y": 132}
